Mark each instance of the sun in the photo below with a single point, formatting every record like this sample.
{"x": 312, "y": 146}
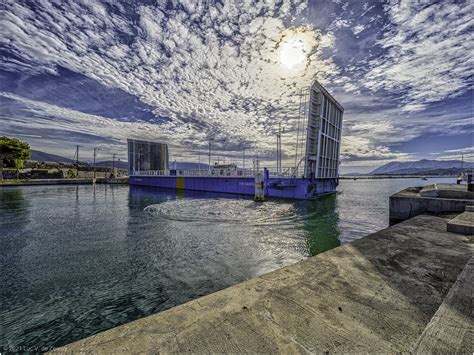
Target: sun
{"x": 293, "y": 52}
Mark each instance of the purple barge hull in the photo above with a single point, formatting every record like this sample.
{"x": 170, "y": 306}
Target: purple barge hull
{"x": 284, "y": 187}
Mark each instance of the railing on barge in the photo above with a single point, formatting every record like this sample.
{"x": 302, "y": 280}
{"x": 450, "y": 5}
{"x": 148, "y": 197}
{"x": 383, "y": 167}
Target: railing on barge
{"x": 217, "y": 172}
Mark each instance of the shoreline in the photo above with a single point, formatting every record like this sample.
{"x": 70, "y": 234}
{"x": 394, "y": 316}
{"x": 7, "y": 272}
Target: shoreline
{"x": 87, "y": 181}
{"x": 124, "y": 180}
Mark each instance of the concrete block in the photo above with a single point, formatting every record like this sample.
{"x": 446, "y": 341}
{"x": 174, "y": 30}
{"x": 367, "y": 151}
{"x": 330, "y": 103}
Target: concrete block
{"x": 433, "y": 199}
{"x": 462, "y": 224}
{"x": 451, "y": 330}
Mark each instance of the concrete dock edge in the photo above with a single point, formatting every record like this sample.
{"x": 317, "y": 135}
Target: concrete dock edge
{"x": 376, "y": 294}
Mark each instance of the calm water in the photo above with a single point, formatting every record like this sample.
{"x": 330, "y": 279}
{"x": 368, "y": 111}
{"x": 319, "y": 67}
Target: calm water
{"x": 77, "y": 260}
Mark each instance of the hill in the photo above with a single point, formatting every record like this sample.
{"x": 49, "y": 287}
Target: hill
{"x": 40, "y": 156}
{"x": 420, "y": 167}
{"x": 37, "y": 155}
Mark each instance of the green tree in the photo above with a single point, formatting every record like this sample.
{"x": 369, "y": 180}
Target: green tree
{"x": 13, "y": 153}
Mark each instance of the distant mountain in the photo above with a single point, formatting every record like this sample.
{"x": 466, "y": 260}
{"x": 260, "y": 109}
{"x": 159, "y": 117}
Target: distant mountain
{"x": 108, "y": 164}
{"x": 37, "y": 155}
{"x": 179, "y": 165}
{"x": 419, "y": 167}
{"x": 353, "y": 174}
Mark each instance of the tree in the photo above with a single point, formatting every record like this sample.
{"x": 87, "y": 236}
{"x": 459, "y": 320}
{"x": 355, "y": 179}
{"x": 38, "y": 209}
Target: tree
{"x": 13, "y": 153}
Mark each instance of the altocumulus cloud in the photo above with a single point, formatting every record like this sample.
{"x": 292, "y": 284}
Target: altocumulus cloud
{"x": 230, "y": 71}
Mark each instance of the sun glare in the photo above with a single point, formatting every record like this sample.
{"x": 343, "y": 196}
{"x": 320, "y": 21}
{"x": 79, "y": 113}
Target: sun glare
{"x": 293, "y": 52}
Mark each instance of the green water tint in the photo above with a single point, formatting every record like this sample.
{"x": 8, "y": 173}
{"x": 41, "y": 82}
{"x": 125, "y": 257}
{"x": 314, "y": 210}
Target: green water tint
{"x": 322, "y": 227}
{"x": 77, "y": 260}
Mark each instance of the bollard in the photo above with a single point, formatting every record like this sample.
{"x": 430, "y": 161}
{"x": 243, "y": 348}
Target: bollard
{"x": 259, "y": 188}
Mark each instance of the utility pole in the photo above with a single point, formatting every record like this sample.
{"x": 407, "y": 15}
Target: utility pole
{"x": 199, "y": 166}
{"x": 77, "y": 161}
{"x": 113, "y": 164}
{"x": 279, "y": 149}
{"x": 95, "y": 154}
{"x": 209, "y": 154}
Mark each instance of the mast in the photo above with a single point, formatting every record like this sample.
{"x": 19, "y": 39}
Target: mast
{"x": 95, "y": 154}
{"x": 77, "y": 161}
{"x": 209, "y": 154}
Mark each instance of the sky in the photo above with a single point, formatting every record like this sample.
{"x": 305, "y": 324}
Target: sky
{"x": 186, "y": 72}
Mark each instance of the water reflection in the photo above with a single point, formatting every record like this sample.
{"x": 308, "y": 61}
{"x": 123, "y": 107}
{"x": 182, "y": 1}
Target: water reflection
{"x": 77, "y": 260}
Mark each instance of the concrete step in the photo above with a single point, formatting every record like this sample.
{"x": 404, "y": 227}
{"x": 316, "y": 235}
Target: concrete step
{"x": 451, "y": 330}
{"x": 462, "y": 224}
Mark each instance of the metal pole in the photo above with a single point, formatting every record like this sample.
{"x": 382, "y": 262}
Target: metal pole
{"x": 95, "y": 153}
{"x": 209, "y": 167}
{"x": 243, "y": 163}
{"x": 77, "y": 161}
{"x": 279, "y": 148}
{"x": 113, "y": 164}
{"x": 298, "y": 133}
{"x": 277, "y": 154}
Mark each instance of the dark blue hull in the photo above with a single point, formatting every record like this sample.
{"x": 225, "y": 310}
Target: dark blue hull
{"x": 296, "y": 188}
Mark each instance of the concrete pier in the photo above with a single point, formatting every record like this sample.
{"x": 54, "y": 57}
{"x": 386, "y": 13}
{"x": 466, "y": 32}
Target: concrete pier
{"x": 376, "y": 294}
{"x": 433, "y": 199}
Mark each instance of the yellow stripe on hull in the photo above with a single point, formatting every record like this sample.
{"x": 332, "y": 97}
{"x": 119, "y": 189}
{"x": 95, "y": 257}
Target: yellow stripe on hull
{"x": 180, "y": 182}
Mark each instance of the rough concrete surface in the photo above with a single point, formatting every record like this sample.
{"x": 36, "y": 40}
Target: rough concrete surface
{"x": 376, "y": 294}
{"x": 433, "y": 199}
{"x": 452, "y": 328}
{"x": 453, "y": 191}
{"x": 463, "y": 223}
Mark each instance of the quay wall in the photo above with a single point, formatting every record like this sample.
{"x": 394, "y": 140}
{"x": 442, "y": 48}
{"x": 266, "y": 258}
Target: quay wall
{"x": 65, "y": 182}
{"x": 432, "y": 199}
{"x": 403, "y": 208}
{"x": 375, "y": 295}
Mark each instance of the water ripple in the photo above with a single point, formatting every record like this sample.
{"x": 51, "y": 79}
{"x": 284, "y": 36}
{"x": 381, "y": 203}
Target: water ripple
{"x": 226, "y": 211}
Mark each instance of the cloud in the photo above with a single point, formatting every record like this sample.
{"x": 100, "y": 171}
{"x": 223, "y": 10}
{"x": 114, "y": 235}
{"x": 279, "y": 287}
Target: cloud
{"x": 466, "y": 153}
{"x": 190, "y": 70}
{"x": 213, "y": 71}
{"x": 356, "y": 148}
{"x": 358, "y": 29}
{"x": 428, "y": 52}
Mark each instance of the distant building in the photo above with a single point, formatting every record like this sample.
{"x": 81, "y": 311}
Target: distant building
{"x": 145, "y": 156}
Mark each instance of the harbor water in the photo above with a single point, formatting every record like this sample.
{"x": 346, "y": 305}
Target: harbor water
{"x": 77, "y": 260}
